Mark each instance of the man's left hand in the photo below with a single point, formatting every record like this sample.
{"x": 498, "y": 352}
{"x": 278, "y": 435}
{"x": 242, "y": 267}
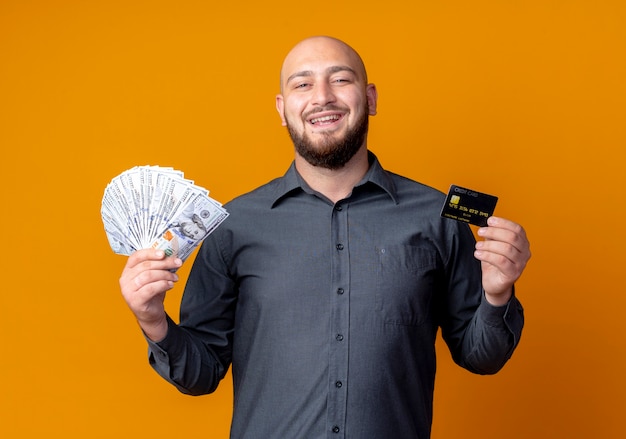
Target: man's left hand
{"x": 504, "y": 254}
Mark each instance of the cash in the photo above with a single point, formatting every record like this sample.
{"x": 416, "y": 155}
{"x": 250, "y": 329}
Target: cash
{"x": 157, "y": 207}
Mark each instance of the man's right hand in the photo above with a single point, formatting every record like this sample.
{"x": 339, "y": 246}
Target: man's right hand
{"x": 145, "y": 279}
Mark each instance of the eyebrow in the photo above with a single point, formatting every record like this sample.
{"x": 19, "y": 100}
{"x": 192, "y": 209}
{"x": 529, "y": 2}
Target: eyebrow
{"x": 332, "y": 69}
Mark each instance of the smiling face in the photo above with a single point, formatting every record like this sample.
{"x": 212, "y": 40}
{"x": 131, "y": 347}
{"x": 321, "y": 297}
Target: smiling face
{"x": 325, "y": 101}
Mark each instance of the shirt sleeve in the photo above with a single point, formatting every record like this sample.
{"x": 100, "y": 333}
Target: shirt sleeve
{"x": 493, "y": 335}
{"x": 481, "y": 337}
{"x": 196, "y": 353}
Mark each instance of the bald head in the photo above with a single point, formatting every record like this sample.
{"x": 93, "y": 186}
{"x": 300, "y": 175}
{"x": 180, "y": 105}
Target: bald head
{"x": 320, "y": 48}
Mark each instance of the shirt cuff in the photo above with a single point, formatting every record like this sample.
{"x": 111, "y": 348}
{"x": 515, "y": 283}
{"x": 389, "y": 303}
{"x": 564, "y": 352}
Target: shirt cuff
{"x": 510, "y": 315}
{"x": 161, "y": 350}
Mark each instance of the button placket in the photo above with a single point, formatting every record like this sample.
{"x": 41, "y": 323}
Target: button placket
{"x": 340, "y": 303}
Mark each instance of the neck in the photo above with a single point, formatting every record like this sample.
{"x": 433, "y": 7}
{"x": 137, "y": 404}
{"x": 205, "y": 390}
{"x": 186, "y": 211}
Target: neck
{"x": 335, "y": 184}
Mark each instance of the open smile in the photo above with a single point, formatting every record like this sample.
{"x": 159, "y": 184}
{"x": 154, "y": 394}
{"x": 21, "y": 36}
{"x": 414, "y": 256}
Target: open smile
{"x": 326, "y": 119}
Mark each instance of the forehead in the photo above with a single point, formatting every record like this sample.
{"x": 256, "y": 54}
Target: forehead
{"x": 321, "y": 55}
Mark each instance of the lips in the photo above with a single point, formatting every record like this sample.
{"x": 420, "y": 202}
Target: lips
{"x": 326, "y": 119}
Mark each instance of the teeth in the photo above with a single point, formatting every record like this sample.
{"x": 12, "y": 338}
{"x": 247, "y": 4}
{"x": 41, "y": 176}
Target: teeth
{"x": 325, "y": 118}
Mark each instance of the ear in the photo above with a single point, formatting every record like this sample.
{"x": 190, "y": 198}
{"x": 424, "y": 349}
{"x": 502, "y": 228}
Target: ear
{"x": 280, "y": 107}
{"x": 372, "y": 98}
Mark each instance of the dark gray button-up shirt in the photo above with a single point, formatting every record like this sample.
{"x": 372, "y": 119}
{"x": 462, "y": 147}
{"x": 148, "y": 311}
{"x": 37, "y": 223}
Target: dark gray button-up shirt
{"x": 329, "y": 312}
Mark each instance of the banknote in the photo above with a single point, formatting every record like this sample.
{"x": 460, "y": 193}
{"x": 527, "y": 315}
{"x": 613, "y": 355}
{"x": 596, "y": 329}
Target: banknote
{"x": 157, "y": 207}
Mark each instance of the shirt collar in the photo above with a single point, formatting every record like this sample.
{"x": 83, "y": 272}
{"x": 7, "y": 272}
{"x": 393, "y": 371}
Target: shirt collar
{"x": 292, "y": 182}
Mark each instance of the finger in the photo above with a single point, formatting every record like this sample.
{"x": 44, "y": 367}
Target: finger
{"x": 508, "y": 261}
{"x": 154, "y": 278}
{"x": 148, "y": 271}
{"x": 504, "y": 257}
{"x": 501, "y": 269}
{"x": 143, "y": 260}
{"x": 503, "y": 249}
{"x": 143, "y": 289}
{"x": 503, "y": 223}
{"x": 503, "y": 230}
{"x": 143, "y": 255}
{"x": 167, "y": 264}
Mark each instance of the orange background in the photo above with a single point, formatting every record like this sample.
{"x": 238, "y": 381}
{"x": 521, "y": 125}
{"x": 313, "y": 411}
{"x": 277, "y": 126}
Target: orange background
{"x": 525, "y": 100}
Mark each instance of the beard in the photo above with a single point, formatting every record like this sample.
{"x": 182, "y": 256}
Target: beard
{"x": 331, "y": 153}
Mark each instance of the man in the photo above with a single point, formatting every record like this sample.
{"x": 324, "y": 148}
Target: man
{"x": 326, "y": 287}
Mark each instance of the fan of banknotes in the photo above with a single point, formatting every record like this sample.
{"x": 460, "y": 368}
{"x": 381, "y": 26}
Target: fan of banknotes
{"x": 157, "y": 207}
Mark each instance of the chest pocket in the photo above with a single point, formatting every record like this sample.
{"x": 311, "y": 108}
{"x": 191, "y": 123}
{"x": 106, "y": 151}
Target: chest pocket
{"x": 405, "y": 284}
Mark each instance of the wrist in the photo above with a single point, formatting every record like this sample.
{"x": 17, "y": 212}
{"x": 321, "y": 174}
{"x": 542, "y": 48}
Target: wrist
{"x": 499, "y": 299}
{"x": 155, "y": 331}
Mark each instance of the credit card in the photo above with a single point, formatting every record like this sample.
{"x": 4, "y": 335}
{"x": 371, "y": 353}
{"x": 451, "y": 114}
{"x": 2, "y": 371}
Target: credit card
{"x": 468, "y": 206}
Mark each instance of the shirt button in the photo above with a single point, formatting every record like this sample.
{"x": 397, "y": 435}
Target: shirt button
{"x": 339, "y": 337}
{"x": 338, "y": 208}
{"x": 339, "y": 246}
{"x": 335, "y": 429}
{"x": 340, "y": 291}
{"x": 338, "y": 384}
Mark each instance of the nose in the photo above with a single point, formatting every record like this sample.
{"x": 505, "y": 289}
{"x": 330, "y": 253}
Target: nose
{"x": 322, "y": 94}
